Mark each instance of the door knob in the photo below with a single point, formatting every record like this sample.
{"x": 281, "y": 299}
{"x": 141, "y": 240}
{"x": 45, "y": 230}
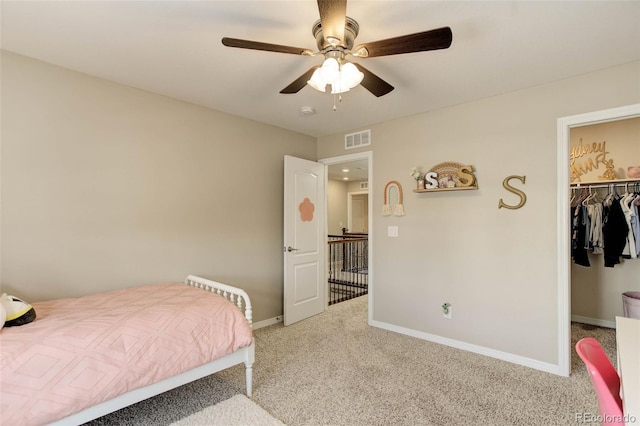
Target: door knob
{"x": 290, "y": 249}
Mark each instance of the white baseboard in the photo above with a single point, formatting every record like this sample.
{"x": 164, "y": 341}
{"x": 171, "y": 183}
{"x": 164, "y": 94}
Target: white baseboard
{"x": 515, "y": 359}
{"x": 267, "y": 322}
{"x": 593, "y": 321}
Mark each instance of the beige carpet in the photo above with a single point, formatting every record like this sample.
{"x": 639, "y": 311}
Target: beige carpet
{"x": 236, "y": 411}
{"x": 334, "y": 369}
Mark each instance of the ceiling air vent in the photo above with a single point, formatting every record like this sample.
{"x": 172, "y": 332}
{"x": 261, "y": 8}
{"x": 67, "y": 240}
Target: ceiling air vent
{"x": 356, "y": 140}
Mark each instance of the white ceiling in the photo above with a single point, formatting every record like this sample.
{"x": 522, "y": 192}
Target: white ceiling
{"x": 174, "y": 48}
{"x": 356, "y": 171}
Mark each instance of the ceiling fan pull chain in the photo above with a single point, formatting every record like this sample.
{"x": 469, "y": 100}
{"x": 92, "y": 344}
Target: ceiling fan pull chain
{"x": 335, "y": 108}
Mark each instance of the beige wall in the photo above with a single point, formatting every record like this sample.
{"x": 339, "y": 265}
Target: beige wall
{"x": 497, "y": 267}
{"x": 359, "y": 213}
{"x": 336, "y": 207}
{"x": 105, "y": 186}
{"x": 596, "y": 291}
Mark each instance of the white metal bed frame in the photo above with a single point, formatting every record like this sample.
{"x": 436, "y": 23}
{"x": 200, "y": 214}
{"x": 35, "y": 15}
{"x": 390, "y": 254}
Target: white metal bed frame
{"x": 244, "y": 355}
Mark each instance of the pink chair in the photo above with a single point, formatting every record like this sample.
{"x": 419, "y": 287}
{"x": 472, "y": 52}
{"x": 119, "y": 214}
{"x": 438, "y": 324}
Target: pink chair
{"x": 605, "y": 379}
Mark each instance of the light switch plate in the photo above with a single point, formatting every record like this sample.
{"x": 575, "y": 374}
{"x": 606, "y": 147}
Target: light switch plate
{"x": 392, "y": 231}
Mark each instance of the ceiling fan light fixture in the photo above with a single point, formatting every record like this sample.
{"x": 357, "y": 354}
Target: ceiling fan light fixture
{"x": 342, "y": 78}
{"x": 350, "y": 75}
{"x": 317, "y": 82}
{"x": 337, "y": 88}
{"x": 326, "y": 74}
{"x": 330, "y": 70}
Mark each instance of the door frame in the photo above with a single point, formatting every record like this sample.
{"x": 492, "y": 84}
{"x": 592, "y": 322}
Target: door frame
{"x": 564, "y": 126}
{"x": 365, "y": 155}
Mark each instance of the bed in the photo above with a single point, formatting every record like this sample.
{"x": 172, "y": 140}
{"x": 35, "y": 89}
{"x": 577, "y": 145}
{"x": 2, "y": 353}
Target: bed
{"x": 86, "y": 357}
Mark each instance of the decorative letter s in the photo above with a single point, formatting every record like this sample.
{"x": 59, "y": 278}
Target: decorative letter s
{"x": 465, "y": 176}
{"x": 523, "y": 196}
{"x": 430, "y": 179}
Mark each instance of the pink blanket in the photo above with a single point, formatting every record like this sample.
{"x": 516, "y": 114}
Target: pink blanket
{"x": 83, "y": 351}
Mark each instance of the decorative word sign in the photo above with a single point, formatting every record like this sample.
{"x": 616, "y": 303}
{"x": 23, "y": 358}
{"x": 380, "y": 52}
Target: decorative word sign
{"x": 609, "y": 173}
{"x": 586, "y": 157}
{"x": 508, "y": 187}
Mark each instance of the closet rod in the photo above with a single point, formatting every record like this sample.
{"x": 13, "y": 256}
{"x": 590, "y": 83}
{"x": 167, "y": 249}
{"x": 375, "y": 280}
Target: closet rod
{"x": 604, "y": 184}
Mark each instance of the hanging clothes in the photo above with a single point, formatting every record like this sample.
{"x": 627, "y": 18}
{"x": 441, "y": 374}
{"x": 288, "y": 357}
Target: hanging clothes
{"x": 579, "y": 236}
{"x": 595, "y": 231}
{"x": 615, "y": 232}
{"x": 629, "y": 250}
{"x": 610, "y": 227}
{"x": 635, "y": 224}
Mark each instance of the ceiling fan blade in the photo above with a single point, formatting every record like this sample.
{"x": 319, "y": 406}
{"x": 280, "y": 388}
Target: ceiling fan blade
{"x": 373, "y": 83}
{"x": 256, "y": 45}
{"x": 300, "y": 82}
{"x": 439, "y": 38}
{"x": 332, "y": 19}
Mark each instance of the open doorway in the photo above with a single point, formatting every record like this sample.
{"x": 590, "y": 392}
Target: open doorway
{"x": 349, "y": 240}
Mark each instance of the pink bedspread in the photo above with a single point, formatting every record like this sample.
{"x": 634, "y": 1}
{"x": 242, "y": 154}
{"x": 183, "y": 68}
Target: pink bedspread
{"x": 83, "y": 351}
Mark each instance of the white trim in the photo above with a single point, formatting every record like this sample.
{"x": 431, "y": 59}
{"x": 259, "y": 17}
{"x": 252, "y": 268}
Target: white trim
{"x": 593, "y": 321}
{"x": 267, "y": 322}
{"x": 365, "y": 155}
{"x": 481, "y": 350}
{"x": 563, "y": 227}
{"x": 564, "y": 254}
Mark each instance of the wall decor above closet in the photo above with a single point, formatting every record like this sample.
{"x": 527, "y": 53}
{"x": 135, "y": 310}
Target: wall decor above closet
{"x": 605, "y": 151}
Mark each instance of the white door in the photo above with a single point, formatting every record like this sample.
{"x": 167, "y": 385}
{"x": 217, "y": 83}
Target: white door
{"x": 304, "y": 239}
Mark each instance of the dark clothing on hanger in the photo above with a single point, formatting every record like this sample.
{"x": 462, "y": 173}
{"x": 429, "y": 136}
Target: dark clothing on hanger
{"x": 614, "y": 233}
{"x": 579, "y": 236}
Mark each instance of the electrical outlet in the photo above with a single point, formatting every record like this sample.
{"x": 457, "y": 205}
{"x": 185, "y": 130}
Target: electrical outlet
{"x": 446, "y": 310}
{"x": 447, "y": 315}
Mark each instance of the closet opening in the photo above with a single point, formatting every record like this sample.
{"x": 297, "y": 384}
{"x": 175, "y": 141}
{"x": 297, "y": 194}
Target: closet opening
{"x": 603, "y": 157}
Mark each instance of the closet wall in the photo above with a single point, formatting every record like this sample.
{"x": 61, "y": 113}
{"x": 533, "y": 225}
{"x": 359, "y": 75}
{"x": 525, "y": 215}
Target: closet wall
{"x": 596, "y": 291}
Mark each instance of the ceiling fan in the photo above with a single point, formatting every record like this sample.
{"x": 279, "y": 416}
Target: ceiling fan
{"x": 335, "y": 35}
